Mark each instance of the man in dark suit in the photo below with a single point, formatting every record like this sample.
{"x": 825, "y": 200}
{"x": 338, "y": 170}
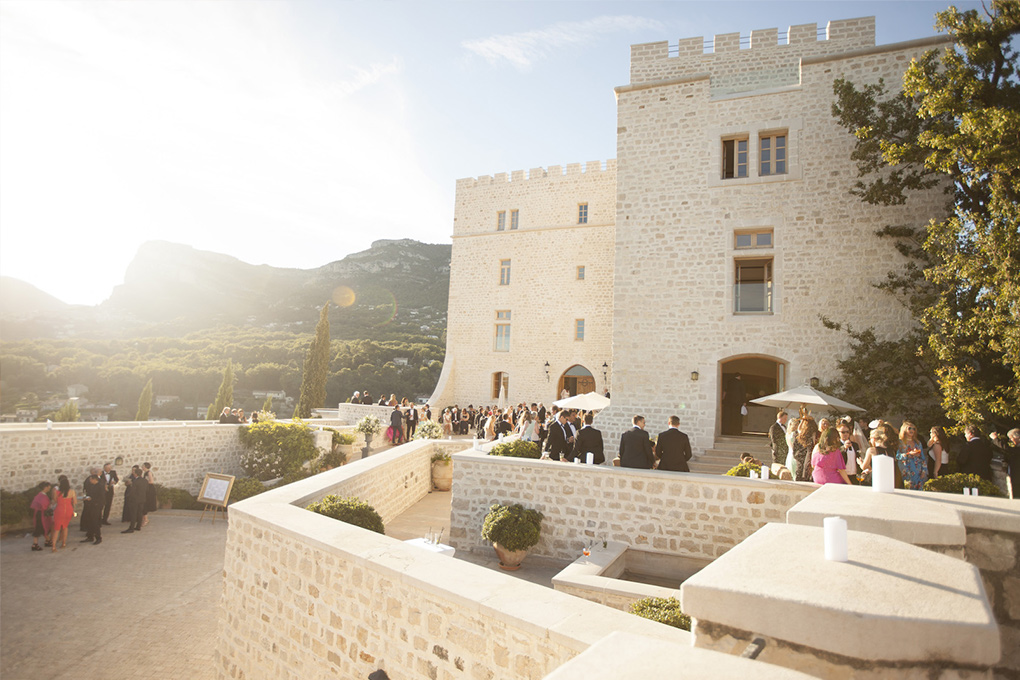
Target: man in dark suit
{"x": 110, "y": 477}
{"x": 777, "y": 438}
{"x": 397, "y": 425}
{"x": 559, "y": 444}
{"x": 503, "y": 427}
{"x": 92, "y": 510}
{"x": 636, "y": 447}
{"x": 673, "y": 448}
{"x": 589, "y": 440}
{"x": 976, "y": 456}
{"x": 412, "y": 420}
{"x": 137, "y": 493}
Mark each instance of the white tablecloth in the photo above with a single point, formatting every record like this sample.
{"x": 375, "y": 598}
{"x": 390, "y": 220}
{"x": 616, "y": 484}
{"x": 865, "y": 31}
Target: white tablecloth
{"x": 440, "y": 548}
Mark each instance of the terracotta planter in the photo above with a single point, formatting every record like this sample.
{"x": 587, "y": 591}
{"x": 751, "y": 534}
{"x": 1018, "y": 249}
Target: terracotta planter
{"x": 442, "y": 475}
{"x": 509, "y": 559}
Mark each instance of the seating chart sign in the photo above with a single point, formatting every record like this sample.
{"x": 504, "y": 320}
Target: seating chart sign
{"x": 216, "y": 489}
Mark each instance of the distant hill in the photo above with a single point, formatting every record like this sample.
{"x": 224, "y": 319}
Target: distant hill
{"x": 172, "y": 289}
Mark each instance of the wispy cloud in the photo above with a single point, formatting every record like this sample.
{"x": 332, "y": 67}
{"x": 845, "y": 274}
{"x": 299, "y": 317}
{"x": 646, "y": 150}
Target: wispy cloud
{"x": 373, "y": 74}
{"x": 522, "y": 50}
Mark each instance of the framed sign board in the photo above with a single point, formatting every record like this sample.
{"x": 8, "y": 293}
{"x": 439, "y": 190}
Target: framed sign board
{"x": 216, "y": 489}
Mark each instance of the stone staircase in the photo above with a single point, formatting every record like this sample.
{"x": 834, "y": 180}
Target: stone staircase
{"x": 725, "y": 453}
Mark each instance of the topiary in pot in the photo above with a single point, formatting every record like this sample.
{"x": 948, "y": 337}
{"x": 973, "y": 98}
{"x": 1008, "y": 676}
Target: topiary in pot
{"x": 351, "y": 510}
{"x": 662, "y": 609}
{"x": 513, "y": 530}
{"x": 955, "y": 483}
{"x": 518, "y": 448}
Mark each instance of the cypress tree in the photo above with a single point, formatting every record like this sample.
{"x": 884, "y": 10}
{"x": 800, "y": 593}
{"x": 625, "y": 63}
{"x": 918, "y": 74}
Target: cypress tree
{"x": 145, "y": 402}
{"x": 225, "y": 395}
{"x": 316, "y": 369}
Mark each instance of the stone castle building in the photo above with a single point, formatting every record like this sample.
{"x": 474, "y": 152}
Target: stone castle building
{"x": 712, "y": 245}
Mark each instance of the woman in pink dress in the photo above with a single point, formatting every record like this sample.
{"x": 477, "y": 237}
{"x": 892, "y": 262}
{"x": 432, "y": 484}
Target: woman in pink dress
{"x": 64, "y": 498}
{"x": 43, "y": 523}
{"x": 827, "y": 465}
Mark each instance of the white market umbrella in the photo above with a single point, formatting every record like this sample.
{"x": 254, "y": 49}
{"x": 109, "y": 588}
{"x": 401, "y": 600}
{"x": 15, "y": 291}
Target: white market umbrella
{"x": 589, "y": 401}
{"x": 808, "y": 396}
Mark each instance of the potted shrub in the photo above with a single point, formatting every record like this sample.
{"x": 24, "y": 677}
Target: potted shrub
{"x": 513, "y": 530}
{"x": 369, "y": 426}
{"x": 442, "y": 471}
{"x": 351, "y": 510}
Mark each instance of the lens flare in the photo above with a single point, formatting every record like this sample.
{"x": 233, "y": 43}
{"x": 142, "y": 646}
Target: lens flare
{"x": 343, "y": 296}
{"x": 392, "y": 304}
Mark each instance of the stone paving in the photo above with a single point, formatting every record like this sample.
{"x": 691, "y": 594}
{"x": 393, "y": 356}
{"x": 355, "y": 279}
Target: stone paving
{"x": 142, "y": 605}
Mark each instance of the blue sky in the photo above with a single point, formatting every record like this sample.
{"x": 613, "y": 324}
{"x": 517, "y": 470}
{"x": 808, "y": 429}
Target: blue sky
{"x": 294, "y": 133}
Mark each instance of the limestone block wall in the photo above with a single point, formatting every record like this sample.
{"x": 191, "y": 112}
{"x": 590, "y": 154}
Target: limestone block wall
{"x": 180, "y": 452}
{"x": 996, "y": 553}
{"x": 350, "y": 414}
{"x": 691, "y": 515}
{"x": 677, "y": 219}
{"x": 306, "y": 596}
{"x": 544, "y": 296}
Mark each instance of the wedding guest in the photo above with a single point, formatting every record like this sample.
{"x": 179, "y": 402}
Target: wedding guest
{"x": 792, "y": 425}
{"x": 135, "y": 499}
{"x": 225, "y": 415}
{"x": 151, "y": 502}
{"x": 803, "y": 446}
{"x": 111, "y": 479}
{"x": 910, "y": 457}
{"x": 1011, "y": 452}
{"x": 43, "y": 518}
{"x": 938, "y": 452}
{"x": 94, "y": 493}
{"x": 976, "y": 455}
{"x": 827, "y": 465}
{"x": 848, "y": 446}
{"x": 65, "y": 499}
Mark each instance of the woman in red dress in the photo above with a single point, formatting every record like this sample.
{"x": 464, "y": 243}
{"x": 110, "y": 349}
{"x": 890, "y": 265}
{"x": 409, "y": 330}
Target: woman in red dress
{"x": 64, "y": 498}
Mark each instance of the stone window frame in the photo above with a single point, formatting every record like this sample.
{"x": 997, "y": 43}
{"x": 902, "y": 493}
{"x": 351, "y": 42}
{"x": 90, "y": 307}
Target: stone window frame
{"x": 770, "y": 279}
{"x": 579, "y": 274}
{"x": 774, "y": 135}
{"x": 515, "y": 219}
{"x": 716, "y": 135}
{"x": 578, "y": 330}
{"x": 735, "y": 139}
{"x": 501, "y": 220}
{"x": 754, "y": 232}
{"x": 501, "y": 332}
{"x": 582, "y": 213}
{"x": 774, "y": 223}
{"x": 504, "y": 272}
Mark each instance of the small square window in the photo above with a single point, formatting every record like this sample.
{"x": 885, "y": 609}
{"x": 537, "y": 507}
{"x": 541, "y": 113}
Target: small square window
{"x": 580, "y": 272}
{"x": 514, "y": 221}
{"x": 504, "y": 272}
{"x": 578, "y": 329}
{"x": 761, "y": 238}
{"x": 582, "y": 213}
{"x": 772, "y": 154}
{"x": 734, "y": 158}
{"x": 501, "y": 220}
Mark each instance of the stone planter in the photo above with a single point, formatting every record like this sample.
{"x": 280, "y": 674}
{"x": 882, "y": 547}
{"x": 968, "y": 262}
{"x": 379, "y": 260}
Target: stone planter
{"x": 509, "y": 559}
{"x": 368, "y": 445}
{"x": 442, "y": 475}
{"x": 347, "y": 450}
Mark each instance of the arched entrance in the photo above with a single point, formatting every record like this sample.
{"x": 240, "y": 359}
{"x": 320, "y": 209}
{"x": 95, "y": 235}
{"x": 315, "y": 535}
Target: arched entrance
{"x": 575, "y": 380}
{"x": 759, "y": 376}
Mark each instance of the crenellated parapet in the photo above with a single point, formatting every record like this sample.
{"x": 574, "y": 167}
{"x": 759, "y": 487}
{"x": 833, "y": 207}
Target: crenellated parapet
{"x": 763, "y": 59}
{"x": 571, "y": 171}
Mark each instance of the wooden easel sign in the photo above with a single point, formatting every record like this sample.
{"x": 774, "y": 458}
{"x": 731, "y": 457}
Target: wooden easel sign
{"x": 215, "y": 493}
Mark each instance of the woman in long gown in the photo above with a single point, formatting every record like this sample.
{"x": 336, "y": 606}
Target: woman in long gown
{"x": 150, "y": 493}
{"x": 43, "y": 521}
{"x": 65, "y": 499}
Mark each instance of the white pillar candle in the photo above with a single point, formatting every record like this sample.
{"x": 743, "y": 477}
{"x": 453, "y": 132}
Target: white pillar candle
{"x": 973, "y": 491}
{"x": 751, "y": 474}
{"x": 966, "y": 491}
{"x": 835, "y": 539}
{"x": 764, "y": 473}
{"x": 882, "y": 474}
{"x": 591, "y": 458}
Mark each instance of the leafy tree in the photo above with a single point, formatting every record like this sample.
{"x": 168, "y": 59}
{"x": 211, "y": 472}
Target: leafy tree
{"x": 225, "y": 395}
{"x": 316, "y": 370}
{"x": 267, "y": 405}
{"x": 68, "y": 413}
{"x": 145, "y": 402}
{"x": 955, "y": 124}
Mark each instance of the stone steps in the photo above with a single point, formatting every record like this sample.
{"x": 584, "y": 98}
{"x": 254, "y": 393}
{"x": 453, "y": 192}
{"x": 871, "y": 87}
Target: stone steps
{"x": 725, "y": 453}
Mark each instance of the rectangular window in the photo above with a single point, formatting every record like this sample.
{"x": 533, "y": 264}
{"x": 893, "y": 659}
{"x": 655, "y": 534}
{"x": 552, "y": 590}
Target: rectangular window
{"x": 752, "y": 289}
{"x": 514, "y": 222}
{"x": 580, "y": 272}
{"x": 503, "y": 331}
{"x": 772, "y": 154}
{"x": 761, "y": 238}
{"x": 500, "y": 380}
{"x": 734, "y": 158}
{"x": 578, "y": 329}
{"x": 501, "y": 220}
{"x": 582, "y": 213}
{"x": 504, "y": 272}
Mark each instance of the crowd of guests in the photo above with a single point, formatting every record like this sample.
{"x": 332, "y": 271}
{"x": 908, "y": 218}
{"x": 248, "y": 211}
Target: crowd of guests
{"x": 53, "y": 506}
{"x": 235, "y": 416}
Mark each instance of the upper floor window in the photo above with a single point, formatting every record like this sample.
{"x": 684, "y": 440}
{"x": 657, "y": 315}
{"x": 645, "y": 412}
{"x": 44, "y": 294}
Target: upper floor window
{"x": 582, "y": 213}
{"x": 504, "y": 272}
{"x": 734, "y": 158}
{"x": 578, "y": 329}
{"x": 752, "y": 290}
{"x": 514, "y": 221}
{"x": 501, "y": 220}
{"x": 580, "y": 272}
{"x": 772, "y": 154}
{"x": 761, "y": 238}
{"x": 503, "y": 331}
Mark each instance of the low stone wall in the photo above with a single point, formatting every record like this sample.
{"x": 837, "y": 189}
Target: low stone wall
{"x": 306, "y": 596}
{"x": 350, "y": 414}
{"x": 693, "y": 515}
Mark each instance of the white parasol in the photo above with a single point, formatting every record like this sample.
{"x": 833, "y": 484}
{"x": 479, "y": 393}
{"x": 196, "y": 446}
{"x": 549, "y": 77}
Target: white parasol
{"x": 806, "y": 396}
{"x": 501, "y": 404}
{"x": 589, "y": 401}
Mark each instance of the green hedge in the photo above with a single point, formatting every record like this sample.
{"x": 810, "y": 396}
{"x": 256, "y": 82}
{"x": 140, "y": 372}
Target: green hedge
{"x": 662, "y": 609}
{"x": 273, "y": 449}
{"x": 14, "y": 507}
{"x": 512, "y": 526}
{"x": 351, "y": 510}
{"x": 956, "y": 482}
{"x": 179, "y": 499}
{"x": 518, "y": 448}
{"x": 333, "y": 459}
{"x": 245, "y": 487}
{"x": 743, "y": 470}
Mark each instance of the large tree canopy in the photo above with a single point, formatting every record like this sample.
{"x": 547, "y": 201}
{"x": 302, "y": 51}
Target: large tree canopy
{"x": 956, "y": 123}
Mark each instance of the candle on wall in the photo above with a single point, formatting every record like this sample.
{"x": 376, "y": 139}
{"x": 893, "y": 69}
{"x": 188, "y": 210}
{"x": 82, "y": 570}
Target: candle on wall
{"x": 966, "y": 491}
{"x": 973, "y": 491}
{"x": 764, "y": 473}
{"x": 835, "y": 539}
{"x": 590, "y": 458}
{"x": 882, "y": 475}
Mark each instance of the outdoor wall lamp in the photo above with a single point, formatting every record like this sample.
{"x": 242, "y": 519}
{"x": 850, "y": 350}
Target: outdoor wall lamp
{"x": 814, "y": 383}
{"x": 694, "y": 376}
{"x": 547, "y": 371}
{"x": 605, "y": 371}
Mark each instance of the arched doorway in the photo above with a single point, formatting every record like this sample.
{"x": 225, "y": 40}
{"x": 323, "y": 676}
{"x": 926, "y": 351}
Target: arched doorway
{"x": 759, "y": 376}
{"x": 575, "y": 380}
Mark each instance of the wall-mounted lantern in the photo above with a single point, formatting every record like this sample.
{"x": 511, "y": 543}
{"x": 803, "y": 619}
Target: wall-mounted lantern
{"x": 814, "y": 383}
{"x": 694, "y": 376}
{"x": 547, "y": 371}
